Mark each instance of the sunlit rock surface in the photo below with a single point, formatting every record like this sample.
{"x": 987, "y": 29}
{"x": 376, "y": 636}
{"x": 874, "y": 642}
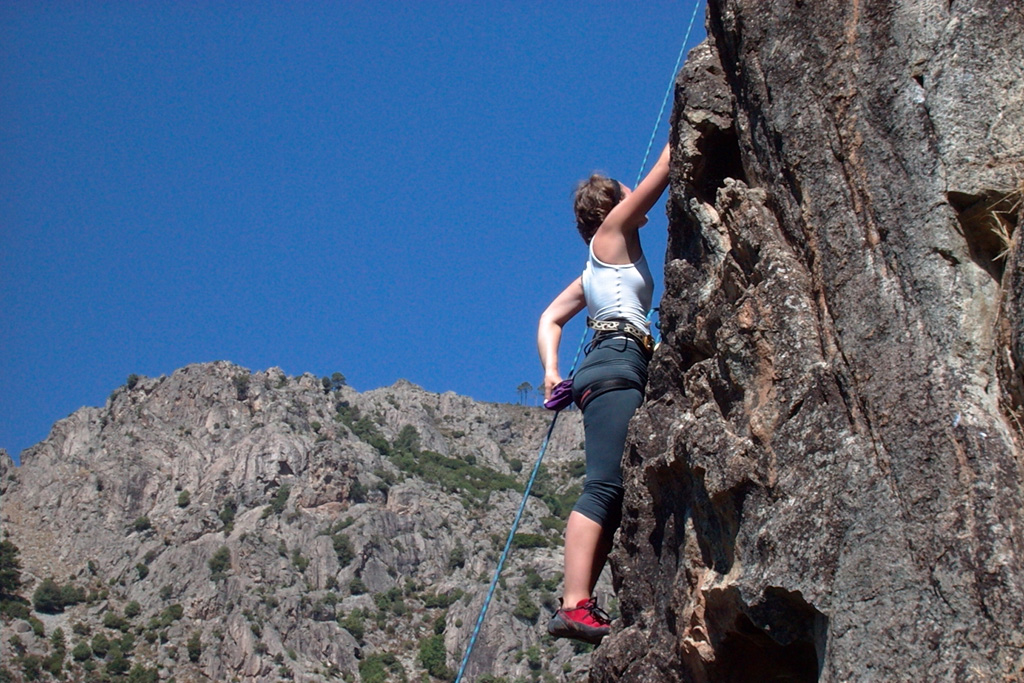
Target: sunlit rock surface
{"x": 826, "y": 480}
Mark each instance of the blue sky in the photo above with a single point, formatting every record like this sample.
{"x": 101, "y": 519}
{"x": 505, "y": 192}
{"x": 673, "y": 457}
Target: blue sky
{"x": 378, "y": 189}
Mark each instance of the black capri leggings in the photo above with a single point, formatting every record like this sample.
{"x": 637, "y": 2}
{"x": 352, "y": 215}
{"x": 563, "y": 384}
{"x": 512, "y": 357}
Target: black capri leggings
{"x": 605, "y": 423}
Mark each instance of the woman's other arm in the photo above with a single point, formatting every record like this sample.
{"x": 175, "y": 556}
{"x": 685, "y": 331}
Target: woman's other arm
{"x": 549, "y": 331}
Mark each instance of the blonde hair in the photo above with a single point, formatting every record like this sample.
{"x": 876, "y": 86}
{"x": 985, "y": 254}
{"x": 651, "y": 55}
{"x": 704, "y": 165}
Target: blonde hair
{"x": 593, "y": 199}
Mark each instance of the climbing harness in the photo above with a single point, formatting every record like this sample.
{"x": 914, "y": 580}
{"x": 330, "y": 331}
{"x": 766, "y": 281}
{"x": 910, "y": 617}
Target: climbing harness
{"x": 554, "y": 419}
{"x": 604, "y": 328}
{"x": 562, "y": 394}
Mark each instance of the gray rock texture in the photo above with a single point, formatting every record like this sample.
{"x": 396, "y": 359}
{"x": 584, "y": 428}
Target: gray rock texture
{"x": 294, "y": 531}
{"x": 826, "y": 480}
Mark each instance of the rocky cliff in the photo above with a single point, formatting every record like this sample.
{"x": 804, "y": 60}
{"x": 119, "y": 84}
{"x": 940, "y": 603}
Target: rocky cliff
{"x": 219, "y": 525}
{"x": 826, "y": 480}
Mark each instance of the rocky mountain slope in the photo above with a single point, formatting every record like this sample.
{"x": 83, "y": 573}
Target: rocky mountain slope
{"x": 220, "y": 525}
{"x": 827, "y": 479}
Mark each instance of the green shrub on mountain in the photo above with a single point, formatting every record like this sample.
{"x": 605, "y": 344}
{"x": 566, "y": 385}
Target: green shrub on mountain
{"x": 432, "y": 656}
{"x": 300, "y": 562}
{"x": 353, "y": 623}
{"x": 100, "y": 645}
{"x": 171, "y": 614}
{"x": 54, "y": 663}
{"x": 443, "y": 601}
{"x": 373, "y": 670}
{"x": 81, "y": 651}
{"x": 46, "y": 598}
{"x": 241, "y": 384}
{"x": 452, "y": 474}
{"x": 116, "y": 662}
{"x": 219, "y": 563}
{"x": 343, "y": 548}
{"x": 142, "y": 674}
{"x": 526, "y": 607}
{"x": 457, "y": 558}
{"x": 227, "y": 514}
{"x": 361, "y": 426}
{"x": 194, "y": 646}
{"x": 333, "y": 383}
{"x": 115, "y": 622}
{"x": 559, "y": 502}
{"x": 529, "y": 541}
{"x": 280, "y": 499}
{"x": 52, "y": 598}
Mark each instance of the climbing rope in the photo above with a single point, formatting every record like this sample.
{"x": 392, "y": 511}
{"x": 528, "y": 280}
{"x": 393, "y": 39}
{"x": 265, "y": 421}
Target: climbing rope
{"x": 668, "y": 91}
{"x": 554, "y": 420}
{"x": 515, "y": 527}
{"x": 656, "y": 327}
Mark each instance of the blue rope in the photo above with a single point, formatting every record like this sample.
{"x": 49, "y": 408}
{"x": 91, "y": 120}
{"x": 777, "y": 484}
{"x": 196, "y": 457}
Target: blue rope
{"x": 544, "y": 446}
{"x": 515, "y": 527}
{"x": 656, "y": 327}
{"x": 668, "y": 91}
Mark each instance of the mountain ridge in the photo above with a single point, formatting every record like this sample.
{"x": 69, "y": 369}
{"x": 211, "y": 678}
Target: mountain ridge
{"x": 224, "y": 491}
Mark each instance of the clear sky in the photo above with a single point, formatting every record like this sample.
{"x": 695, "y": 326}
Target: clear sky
{"x": 380, "y": 189}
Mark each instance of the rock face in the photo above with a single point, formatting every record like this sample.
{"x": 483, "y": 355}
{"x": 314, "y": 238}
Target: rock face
{"x": 224, "y": 525}
{"x": 826, "y": 480}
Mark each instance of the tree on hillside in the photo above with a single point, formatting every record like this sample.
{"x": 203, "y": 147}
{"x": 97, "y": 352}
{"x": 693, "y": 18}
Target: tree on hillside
{"x": 47, "y": 598}
{"x": 333, "y": 383}
{"x": 407, "y": 441}
{"x": 10, "y": 570}
{"x": 524, "y": 390}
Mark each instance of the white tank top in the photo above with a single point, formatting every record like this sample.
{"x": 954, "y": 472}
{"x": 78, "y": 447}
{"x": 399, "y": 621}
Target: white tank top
{"x": 618, "y": 291}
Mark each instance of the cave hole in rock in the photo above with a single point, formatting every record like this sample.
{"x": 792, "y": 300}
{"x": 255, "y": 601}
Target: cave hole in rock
{"x": 780, "y": 638}
{"x": 988, "y": 223}
{"x": 719, "y": 159}
{"x": 715, "y": 519}
{"x": 671, "y": 490}
{"x": 284, "y": 468}
{"x": 726, "y": 507}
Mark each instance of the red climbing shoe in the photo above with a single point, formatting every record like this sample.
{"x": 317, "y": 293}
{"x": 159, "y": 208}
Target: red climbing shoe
{"x": 585, "y": 622}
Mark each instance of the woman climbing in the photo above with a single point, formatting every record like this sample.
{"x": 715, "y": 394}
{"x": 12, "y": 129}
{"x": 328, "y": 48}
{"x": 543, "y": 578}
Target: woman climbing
{"x": 616, "y": 289}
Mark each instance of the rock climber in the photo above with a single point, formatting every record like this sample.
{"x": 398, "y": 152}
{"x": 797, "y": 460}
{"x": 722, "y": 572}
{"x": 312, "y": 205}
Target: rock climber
{"x": 616, "y": 288}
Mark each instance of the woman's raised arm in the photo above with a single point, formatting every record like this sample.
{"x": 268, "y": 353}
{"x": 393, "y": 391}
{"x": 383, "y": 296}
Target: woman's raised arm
{"x": 616, "y": 240}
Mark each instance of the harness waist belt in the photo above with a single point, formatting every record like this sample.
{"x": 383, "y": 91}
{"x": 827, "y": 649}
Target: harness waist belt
{"x": 642, "y": 337}
{"x": 606, "y": 385}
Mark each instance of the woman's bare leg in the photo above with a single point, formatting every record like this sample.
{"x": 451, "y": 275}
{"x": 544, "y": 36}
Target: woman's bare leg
{"x": 586, "y": 551}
